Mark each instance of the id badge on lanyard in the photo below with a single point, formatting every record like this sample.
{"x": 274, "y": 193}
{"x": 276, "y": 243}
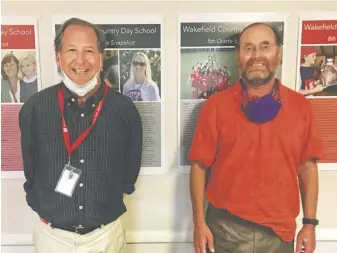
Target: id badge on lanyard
{"x": 68, "y": 180}
{"x": 70, "y": 175}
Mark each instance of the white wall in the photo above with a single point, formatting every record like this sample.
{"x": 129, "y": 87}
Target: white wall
{"x": 160, "y": 209}
{"x": 322, "y": 247}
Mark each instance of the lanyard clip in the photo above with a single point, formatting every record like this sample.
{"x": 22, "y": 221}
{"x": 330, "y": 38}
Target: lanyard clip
{"x": 68, "y": 162}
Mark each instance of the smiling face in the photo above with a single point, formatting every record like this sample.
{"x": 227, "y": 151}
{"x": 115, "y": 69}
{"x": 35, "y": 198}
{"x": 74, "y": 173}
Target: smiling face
{"x": 79, "y": 56}
{"x": 28, "y": 66}
{"x": 259, "y": 55}
{"x": 310, "y": 59}
{"x": 11, "y": 69}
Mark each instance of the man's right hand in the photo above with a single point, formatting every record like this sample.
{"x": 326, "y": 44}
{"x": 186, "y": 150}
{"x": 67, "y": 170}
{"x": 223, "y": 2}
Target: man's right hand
{"x": 202, "y": 236}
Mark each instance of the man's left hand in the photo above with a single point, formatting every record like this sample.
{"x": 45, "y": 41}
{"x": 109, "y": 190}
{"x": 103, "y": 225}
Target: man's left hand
{"x": 306, "y": 239}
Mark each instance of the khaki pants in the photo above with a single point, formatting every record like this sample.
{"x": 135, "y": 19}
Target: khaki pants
{"x": 234, "y": 235}
{"x": 108, "y": 239}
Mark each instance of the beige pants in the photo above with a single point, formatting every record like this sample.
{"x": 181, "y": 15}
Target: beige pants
{"x": 108, "y": 239}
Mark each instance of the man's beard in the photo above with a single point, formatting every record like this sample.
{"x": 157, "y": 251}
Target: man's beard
{"x": 257, "y": 81}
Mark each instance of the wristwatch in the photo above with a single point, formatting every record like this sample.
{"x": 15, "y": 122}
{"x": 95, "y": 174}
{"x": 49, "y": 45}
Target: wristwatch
{"x": 307, "y": 221}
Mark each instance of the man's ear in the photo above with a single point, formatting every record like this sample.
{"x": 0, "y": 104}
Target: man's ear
{"x": 237, "y": 56}
{"x": 57, "y": 59}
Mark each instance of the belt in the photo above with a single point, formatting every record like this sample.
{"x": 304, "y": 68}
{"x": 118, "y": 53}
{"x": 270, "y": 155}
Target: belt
{"x": 79, "y": 229}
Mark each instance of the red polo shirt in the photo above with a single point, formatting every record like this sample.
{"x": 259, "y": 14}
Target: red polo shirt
{"x": 254, "y": 167}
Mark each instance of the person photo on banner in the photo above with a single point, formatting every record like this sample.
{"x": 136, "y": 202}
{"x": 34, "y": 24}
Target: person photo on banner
{"x": 110, "y": 68}
{"x": 309, "y": 72}
{"x": 140, "y": 86}
{"x": 28, "y": 81}
{"x": 10, "y": 85}
{"x": 329, "y": 76}
{"x": 317, "y": 79}
{"x": 208, "y": 78}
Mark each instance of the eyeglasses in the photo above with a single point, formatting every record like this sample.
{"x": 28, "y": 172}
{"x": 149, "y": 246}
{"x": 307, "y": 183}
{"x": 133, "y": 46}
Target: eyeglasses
{"x": 136, "y": 63}
{"x": 263, "y": 48}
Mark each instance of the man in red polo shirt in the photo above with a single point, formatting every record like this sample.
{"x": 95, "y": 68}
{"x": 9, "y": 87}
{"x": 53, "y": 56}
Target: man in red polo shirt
{"x": 259, "y": 143}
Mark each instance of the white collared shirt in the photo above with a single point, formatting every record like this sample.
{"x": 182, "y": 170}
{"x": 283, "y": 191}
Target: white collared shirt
{"x": 17, "y": 94}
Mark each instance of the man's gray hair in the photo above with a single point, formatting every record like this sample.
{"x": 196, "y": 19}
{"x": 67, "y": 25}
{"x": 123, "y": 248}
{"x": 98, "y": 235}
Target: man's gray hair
{"x": 101, "y": 40}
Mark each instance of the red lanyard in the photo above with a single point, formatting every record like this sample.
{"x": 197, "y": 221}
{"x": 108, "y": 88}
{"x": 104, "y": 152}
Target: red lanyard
{"x": 70, "y": 148}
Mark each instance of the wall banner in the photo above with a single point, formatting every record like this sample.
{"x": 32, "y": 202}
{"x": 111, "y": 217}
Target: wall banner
{"x": 317, "y": 76}
{"x": 20, "y": 79}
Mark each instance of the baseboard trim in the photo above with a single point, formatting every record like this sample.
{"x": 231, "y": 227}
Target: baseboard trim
{"x": 322, "y": 235}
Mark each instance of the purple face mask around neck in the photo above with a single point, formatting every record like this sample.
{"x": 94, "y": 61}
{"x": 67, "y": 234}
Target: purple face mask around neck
{"x": 263, "y": 109}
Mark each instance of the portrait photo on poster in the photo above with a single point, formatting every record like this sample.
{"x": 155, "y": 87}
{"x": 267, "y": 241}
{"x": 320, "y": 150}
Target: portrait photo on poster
{"x": 205, "y": 71}
{"x": 318, "y": 70}
{"x": 19, "y": 79}
{"x": 140, "y": 74}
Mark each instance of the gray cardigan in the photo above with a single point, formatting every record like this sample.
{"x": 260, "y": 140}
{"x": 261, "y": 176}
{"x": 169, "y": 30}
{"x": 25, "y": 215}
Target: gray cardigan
{"x": 5, "y": 97}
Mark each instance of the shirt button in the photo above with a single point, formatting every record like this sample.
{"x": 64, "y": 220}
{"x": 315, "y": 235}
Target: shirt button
{"x": 80, "y": 207}
{"x": 81, "y": 184}
{"x": 93, "y": 105}
{"x": 82, "y": 115}
{"x": 73, "y": 99}
{"x": 81, "y": 161}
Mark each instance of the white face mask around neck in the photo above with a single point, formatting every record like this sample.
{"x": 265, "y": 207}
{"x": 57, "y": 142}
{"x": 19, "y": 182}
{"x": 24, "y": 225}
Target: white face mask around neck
{"x": 80, "y": 90}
